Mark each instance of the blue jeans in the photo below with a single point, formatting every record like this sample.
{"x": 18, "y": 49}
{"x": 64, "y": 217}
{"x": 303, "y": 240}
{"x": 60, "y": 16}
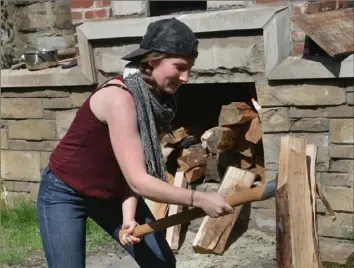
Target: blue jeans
{"x": 62, "y": 215}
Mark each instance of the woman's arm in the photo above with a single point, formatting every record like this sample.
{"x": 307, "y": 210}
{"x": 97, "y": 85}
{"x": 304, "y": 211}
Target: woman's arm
{"x": 130, "y": 201}
{"x": 116, "y": 107}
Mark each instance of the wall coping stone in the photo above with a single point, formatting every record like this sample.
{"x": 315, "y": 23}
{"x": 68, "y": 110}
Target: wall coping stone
{"x": 51, "y": 77}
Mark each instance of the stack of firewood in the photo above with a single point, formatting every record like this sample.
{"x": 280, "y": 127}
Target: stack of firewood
{"x": 230, "y": 153}
{"x": 236, "y": 142}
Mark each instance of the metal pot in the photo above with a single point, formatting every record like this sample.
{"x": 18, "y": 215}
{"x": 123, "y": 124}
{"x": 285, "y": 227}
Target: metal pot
{"x": 41, "y": 59}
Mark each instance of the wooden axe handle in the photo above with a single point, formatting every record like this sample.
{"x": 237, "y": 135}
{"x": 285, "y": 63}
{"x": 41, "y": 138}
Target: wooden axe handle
{"x": 242, "y": 197}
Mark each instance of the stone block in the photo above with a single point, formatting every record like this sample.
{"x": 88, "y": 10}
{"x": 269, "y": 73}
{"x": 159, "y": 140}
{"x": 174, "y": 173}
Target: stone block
{"x": 32, "y": 129}
{"x": 267, "y": 204}
{"x": 30, "y": 93}
{"x": 271, "y": 145}
{"x": 248, "y": 54}
{"x": 310, "y": 125}
{"x": 226, "y": 4}
{"x": 36, "y": 16}
{"x": 275, "y": 119}
{"x": 3, "y": 123}
{"x": 129, "y": 8}
{"x": 57, "y": 103}
{"x": 342, "y": 130}
{"x": 342, "y": 166}
{"x": 15, "y": 199}
{"x": 60, "y": 43}
{"x": 296, "y": 112}
{"x": 336, "y": 179}
{"x": 44, "y": 159}
{"x": 341, "y": 228}
{"x": 16, "y": 108}
{"x": 78, "y": 98}
{"x": 62, "y": 14}
{"x": 49, "y": 114}
{"x": 21, "y": 145}
{"x": 335, "y": 250}
{"x": 350, "y": 98}
{"x": 263, "y": 219}
{"x": 64, "y": 120}
{"x": 350, "y": 89}
{"x": 20, "y": 165}
{"x": 341, "y": 151}
{"x": 4, "y": 139}
{"x": 340, "y": 198}
{"x": 299, "y": 95}
{"x": 23, "y": 186}
{"x": 342, "y": 111}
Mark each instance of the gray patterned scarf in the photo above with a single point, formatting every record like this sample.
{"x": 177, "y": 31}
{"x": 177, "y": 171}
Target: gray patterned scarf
{"x": 152, "y": 114}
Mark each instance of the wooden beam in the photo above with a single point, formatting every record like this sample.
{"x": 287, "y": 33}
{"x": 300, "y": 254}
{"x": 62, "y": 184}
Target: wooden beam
{"x": 213, "y": 233}
{"x": 331, "y": 30}
{"x": 295, "y": 227}
{"x": 172, "y": 233}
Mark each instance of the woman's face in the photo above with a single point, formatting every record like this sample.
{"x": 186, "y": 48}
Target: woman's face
{"x": 171, "y": 72}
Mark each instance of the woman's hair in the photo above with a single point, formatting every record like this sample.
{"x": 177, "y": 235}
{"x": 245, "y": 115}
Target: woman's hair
{"x": 146, "y": 69}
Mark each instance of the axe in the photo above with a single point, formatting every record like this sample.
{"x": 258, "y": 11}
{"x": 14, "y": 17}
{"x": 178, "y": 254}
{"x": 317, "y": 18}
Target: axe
{"x": 243, "y": 196}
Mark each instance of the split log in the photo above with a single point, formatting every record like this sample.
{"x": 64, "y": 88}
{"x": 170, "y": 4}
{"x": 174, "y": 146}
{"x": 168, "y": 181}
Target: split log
{"x": 245, "y": 147}
{"x": 172, "y": 233}
{"x": 246, "y": 162}
{"x": 296, "y": 240}
{"x": 176, "y": 136}
{"x": 236, "y": 113}
{"x": 213, "y": 233}
{"x": 191, "y": 160}
{"x": 195, "y": 174}
{"x": 211, "y": 172}
{"x": 159, "y": 210}
{"x": 254, "y": 132}
{"x": 220, "y": 139}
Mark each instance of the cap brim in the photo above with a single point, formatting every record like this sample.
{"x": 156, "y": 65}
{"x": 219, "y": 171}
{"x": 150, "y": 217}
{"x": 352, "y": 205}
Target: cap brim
{"x": 136, "y": 54}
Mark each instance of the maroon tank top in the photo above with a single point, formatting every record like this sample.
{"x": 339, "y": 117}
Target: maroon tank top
{"x": 84, "y": 158}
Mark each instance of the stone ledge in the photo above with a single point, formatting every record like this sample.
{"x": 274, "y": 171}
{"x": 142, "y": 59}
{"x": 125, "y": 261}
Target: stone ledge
{"x": 52, "y": 77}
{"x": 316, "y": 68}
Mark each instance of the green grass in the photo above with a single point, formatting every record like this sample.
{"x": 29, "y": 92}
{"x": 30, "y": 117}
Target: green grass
{"x": 19, "y": 234}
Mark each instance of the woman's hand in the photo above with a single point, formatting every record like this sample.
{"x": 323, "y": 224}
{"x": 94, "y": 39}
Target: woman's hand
{"x": 127, "y": 239}
{"x": 213, "y": 204}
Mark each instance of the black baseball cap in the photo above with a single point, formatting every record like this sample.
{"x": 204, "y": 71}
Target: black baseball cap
{"x": 170, "y": 36}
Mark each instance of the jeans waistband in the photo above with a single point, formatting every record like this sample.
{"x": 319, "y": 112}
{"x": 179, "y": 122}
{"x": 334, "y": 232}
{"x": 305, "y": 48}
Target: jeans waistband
{"x": 46, "y": 170}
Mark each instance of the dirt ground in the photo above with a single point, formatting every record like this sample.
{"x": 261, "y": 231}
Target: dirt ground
{"x": 252, "y": 249}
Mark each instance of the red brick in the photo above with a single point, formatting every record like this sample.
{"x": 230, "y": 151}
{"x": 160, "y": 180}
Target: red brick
{"x": 93, "y": 14}
{"x": 313, "y": 8}
{"x": 76, "y": 15}
{"x": 327, "y": 5}
{"x": 300, "y": 8}
{"x": 81, "y": 4}
{"x": 298, "y": 36}
{"x": 103, "y": 3}
{"x": 299, "y": 49}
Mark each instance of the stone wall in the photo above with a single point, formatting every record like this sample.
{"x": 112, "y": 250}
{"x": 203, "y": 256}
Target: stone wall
{"x": 32, "y": 122}
{"x": 323, "y": 112}
{"x": 40, "y": 24}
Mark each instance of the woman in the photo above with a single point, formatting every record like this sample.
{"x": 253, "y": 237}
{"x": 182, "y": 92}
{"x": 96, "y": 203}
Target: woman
{"x": 111, "y": 157}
